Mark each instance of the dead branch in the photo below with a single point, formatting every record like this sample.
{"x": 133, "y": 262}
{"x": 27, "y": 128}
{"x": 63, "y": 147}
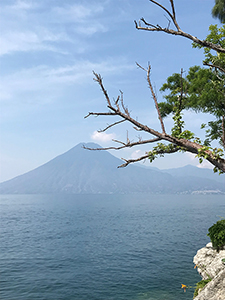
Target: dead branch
{"x": 155, "y": 100}
{"x": 125, "y": 109}
{"x": 153, "y": 95}
{"x": 149, "y": 27}
{"x": 111, "y": 125}
{"x": 129, "y": 161}
{"x": 100, "y": 114}
{"x": 125, "y": 145}
{"x": 124, "y": 115}
{"x": 172, "y": 16}
{"x": 98, "y": 78}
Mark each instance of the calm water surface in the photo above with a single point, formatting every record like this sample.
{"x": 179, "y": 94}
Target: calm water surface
{"x": 95, "y": 247}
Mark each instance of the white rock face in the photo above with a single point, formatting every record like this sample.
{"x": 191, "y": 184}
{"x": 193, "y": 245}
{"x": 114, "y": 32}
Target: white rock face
{"x": 209, "y": 264}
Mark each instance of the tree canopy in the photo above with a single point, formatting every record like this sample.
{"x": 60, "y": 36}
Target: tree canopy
{"x": 218, "y": 10}
{"x": 201, "y": 90}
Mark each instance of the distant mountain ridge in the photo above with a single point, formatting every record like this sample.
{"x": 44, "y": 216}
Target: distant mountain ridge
{"x": 84, "y": 171}
{"x": 190, "y": 170}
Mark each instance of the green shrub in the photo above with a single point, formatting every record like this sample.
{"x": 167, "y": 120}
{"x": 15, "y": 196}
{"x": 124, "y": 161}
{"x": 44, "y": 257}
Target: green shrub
{"x": 200, "y": 285}
{"x": 217, "y": 235}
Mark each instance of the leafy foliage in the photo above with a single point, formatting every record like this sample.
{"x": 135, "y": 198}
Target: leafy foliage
{"x": 217, "y": 234}
{"x": 202, "y": 90}
{"x": 218, "y": 10}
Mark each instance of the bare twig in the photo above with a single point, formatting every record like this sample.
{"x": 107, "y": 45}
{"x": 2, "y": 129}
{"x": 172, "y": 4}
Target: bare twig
{"x": 153, "y": 95}
{"x": 111, "y": 125}
{"x": 155, "y": 100}
{"x": 100, "y": 114}
{"x": 122, "y": 104}
{"x": 125, "y": 145}
{"x": 129, "y": 161}
{"x": 98, "y": 78}
{"x": 128, "y": 141}
{"x": 172, "y": 16}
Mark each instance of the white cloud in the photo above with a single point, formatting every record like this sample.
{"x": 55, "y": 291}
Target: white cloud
{"x": 102, "y": 136}
{"x": 77, "y": 13}
{"x": 137, "y": 154}
{"x": 26, "y": 28}
{"x": 90, "y": 30}
{"x": 19, "y": 41}
{"x": 194, "y": 160}
{"x": 22, "y": 5}
{"x": 205, "y": 165}
{"x": 85, "y": 18}
{"x": 190, "y": 156}
{"x": 48, "y": 81}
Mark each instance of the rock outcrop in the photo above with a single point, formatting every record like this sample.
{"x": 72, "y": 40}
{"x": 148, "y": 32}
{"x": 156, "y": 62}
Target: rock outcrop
{"x": 210, "y": 265}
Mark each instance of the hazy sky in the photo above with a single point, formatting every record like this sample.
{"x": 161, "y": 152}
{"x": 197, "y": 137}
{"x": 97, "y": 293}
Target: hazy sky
{"x": 48, "y": 50}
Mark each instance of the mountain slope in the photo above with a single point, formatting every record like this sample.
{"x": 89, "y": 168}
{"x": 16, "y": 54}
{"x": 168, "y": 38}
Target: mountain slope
{"x": 83, "y": 171}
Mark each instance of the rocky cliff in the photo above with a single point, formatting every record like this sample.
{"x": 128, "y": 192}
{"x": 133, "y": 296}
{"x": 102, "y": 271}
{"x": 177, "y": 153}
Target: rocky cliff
{"x": 210, "y": 266}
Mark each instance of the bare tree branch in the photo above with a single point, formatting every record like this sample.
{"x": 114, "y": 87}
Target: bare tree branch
{"x": 173, "y": 9}
{"x": 98, "y": 78}
{"x": 122, "y": 104}
{"x": 111, "y": 125}
{"x": 150, "y": 27}
{"x": 153, "y": 95}
{"x": 129, "y": 161}
{"x": 155, "y": 100}
{"x": 125, "y": 145}
{"x": 172, "y": 16}
{"x": 100, "y": 114}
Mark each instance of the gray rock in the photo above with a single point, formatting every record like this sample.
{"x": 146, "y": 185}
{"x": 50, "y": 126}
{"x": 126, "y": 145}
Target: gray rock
{"x": 210, "y": 265}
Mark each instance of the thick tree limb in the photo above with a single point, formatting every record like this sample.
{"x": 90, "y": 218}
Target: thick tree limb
{"x": 149, "y": 27}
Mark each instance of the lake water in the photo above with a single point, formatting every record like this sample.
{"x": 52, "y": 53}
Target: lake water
{"x": 93, "y": 247}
